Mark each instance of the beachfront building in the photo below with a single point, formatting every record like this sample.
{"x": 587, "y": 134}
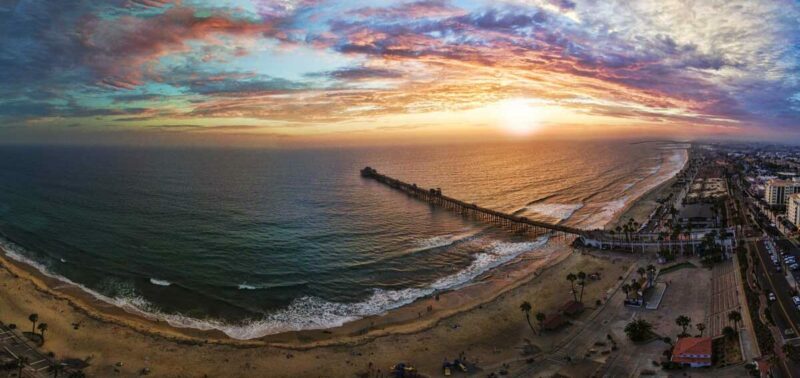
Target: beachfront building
{"x": 699, "y": 215}
{"x": 692, "y": 351}
{"x": 793, "y": 209}
{"x": 777, "y": 191}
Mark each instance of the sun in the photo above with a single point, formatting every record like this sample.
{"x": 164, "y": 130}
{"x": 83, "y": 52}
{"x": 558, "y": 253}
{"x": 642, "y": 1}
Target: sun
{"x": 519, "y": 116}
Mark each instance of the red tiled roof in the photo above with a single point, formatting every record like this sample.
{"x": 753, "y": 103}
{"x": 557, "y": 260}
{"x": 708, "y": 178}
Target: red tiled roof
{"x": 692, "y": 346}
{"x": 687, "y": 360}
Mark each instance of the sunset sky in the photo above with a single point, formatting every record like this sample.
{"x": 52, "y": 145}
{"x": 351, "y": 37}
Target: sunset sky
{"x": 275, "y": 70}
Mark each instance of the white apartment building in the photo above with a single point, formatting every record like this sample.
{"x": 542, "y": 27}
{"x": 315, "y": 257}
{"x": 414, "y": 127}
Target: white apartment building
{"x": 777, "y": 192}
{"x": 793, "y": 209}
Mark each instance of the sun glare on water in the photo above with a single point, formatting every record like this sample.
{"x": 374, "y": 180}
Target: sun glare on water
{"x": 519, "y": 116}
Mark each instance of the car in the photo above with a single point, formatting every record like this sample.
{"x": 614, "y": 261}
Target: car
{"x": 796, "y": 300}
{"x": 777, "y": 268}
{"x": 794, "y": 267}
{"x": 772, "y": 297}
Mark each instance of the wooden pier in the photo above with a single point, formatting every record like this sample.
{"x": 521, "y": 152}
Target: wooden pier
{"x": 600, "y": 239}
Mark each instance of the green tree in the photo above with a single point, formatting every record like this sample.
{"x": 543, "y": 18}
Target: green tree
{"x": 525, "y": 307}
{"x": 42, "y": 328}
{"x": 33, "y": 318}
{"x": 700, "y": 327}
{"x": 21, "y": 362}
{"x": 626, "y": 289}
{"x": 641, "y": 272}
{"x": 571, "y": 278}
{"x": 683, "y": 321}
{"x": 735, "y": 317}
{"x": 638, "y": 330}
{"x": 729, "y": 332}
{"x": 582, "y": 283}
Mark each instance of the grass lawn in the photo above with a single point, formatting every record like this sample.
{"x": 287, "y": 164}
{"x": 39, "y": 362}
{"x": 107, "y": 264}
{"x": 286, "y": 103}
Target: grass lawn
{"x": 677, "y": 266}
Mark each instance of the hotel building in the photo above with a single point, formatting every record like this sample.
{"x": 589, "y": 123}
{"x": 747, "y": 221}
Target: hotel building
{"x": 777, "y": 191}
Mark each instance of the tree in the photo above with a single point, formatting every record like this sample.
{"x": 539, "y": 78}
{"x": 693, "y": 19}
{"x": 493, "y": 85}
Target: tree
{"x": 525, "y": 307}
{"x": 626, "y": 289}
{"x": 42, "y": 328}
{"x": 582, "y": 283}
{"x": 683, "y": 321}
{"x": 641, "y": 272}
{"x": 700, "y": 327}
{"x": 571, "y": 278}
{"x": 638, "y": 330}
{"x": 729, "y": 332}
{"x": 33, "y": 318}
{"x": 735, "y": 317}
{"x": 635, "y": 286}
{"x": 540, "y": 317}
{"x": 21, "y": 362}
{"x": 56, "y": 368}
{"x": 667, "y": 340}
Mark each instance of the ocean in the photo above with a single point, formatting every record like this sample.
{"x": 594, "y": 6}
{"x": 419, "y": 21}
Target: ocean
{"x": 255, "y": 242}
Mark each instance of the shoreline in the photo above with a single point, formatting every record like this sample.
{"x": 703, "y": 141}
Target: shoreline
{"x": 400, "y": 320}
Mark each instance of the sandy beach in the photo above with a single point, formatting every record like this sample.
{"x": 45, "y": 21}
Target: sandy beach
{"x": 481, "y": 320}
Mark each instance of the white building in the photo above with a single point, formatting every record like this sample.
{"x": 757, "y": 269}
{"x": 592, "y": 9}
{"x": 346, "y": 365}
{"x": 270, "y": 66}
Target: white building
{"x": 793, "y": 209}
{"x": 777, "y": 191}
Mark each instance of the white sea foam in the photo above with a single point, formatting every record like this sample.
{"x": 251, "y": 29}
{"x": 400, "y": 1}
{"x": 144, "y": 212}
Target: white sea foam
{"x": 158, "y": 282}
{"x": 245, "y": 286}
{"x": 560, "y": 211}
{"x": 305, "y": 312}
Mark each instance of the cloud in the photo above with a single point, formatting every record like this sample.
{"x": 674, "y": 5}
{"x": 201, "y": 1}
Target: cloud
{"x": 121, "y": 51}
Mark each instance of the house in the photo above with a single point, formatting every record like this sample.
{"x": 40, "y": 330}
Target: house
{"x": 553, "y": 322}
{"x": 692, "y": 351}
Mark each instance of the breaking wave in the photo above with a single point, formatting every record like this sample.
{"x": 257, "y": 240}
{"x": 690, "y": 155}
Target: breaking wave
{"x": 303, "y": 313}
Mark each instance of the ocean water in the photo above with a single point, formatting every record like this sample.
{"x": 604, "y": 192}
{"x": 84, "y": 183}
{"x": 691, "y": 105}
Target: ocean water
{"x": 256, "y": 242}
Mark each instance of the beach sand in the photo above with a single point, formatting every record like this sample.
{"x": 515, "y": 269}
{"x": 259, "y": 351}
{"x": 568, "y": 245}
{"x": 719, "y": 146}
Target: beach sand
{"x": 490, "y": 334}
{"x": 482, "y": 320}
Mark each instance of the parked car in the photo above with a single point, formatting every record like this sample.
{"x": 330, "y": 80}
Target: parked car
{"x": 772, "y": 297}
{"x": 796, "y": 300}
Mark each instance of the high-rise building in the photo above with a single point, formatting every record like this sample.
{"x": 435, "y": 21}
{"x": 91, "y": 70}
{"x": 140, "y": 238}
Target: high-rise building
{"x": 777, "y": 191}
{"x": 793, "y": 209}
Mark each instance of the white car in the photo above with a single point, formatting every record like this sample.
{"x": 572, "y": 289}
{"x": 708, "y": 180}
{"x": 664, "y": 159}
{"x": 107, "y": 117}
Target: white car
{"x": 772, "y": 297}
{"x": 796, "y": 300}
{"x": 794, "y": 267}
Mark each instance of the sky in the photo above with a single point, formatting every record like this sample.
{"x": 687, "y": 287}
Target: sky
{"x": 313, "y": 71}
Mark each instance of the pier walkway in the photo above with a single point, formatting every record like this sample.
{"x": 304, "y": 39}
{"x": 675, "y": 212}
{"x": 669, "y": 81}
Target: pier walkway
{"x": 598, "y": 238}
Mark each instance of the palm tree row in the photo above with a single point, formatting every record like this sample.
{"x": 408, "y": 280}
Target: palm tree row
{"x": 581, "y": 278}
{"x": 526, "y": 308}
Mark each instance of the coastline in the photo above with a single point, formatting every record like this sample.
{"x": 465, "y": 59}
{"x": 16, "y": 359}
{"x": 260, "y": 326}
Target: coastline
{"x": 489, "y": 289}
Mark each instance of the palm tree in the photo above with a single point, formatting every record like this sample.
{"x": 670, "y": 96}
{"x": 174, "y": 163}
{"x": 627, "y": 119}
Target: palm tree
{"x": 42, "y": 327}
{"x": 683, "y": 321}
{"x": 571, "y": 278}
{"x": 33, "y": 318}
{"x": 21, "y": 362}
{"x": 641, "y": 272}
{"x": 700, "y": 327}
{"x": 540, "y": 317}
{"x": 626, "y": 289}
{"x": 525, "y": 307}
{"x": 56, "y": 368}
{"x": 582, "y": 283}
{"x": 735, "y": 317}
{"x": 612, "y": 233}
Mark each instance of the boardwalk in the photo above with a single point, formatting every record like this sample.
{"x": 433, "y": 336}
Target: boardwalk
{"x": 15, "y": 347}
